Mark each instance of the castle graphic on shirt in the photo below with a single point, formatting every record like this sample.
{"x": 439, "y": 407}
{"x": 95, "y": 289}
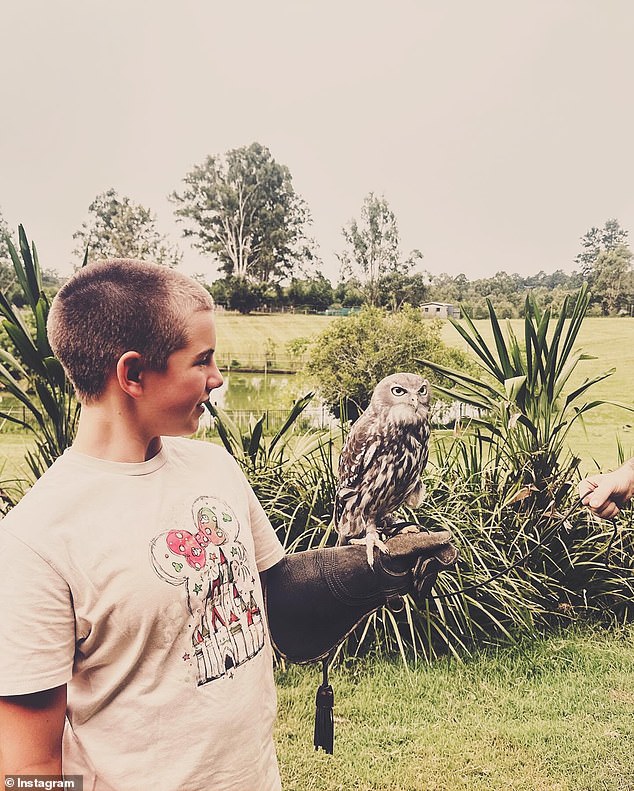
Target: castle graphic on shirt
{"x": 219, "y": 584}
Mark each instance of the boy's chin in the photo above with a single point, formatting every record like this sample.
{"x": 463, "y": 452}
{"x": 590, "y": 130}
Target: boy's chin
{"x": 186, "y": 430}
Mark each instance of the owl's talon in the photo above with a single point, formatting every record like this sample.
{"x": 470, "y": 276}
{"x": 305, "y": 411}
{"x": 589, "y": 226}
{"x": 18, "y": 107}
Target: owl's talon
{"x": 371, "y": 540}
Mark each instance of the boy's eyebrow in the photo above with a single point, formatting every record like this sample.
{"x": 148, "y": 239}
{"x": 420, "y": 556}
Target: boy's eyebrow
{"x": 206, "y": 352}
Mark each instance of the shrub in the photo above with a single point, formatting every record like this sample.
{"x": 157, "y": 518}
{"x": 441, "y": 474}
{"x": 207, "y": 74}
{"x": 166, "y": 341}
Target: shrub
{"x": 347, "y": 360}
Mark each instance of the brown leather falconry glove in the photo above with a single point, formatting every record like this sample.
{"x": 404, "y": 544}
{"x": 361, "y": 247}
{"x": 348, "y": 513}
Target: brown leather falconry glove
{"x": 314, "y": 599}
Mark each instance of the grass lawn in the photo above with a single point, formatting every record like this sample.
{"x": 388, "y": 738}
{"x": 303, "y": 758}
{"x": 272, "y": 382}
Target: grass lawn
{"x": 245, "y": 337}
{"x": 13, "y": 446}
{"x": 552, "y": 715}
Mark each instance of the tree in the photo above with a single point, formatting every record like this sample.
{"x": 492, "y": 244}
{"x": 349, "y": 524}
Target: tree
{"x": 613, "y": 279}
{"x": 397, "y": 289}
{"x": 237, "y": 294}
{"x": 606, "y": 264}
{"x": 242, "y": 210}
{"x": 314, "y": 292}
{"x": 354, "y": 353}
{"x": 373, "y": 247}
{"x": 119, "y": 228}
{"x": 349, "y": 293}
{"x": 598, "y": 240}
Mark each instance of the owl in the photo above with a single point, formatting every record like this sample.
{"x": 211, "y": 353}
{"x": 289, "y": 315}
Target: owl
{"x": 382, "y": 460}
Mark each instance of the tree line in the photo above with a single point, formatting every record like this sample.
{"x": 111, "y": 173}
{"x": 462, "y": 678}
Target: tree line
{"x": 241, "y": 211}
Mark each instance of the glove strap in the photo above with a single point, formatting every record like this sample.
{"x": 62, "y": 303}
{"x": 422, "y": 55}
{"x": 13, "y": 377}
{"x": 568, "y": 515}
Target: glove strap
{"x": 324, "y": 717}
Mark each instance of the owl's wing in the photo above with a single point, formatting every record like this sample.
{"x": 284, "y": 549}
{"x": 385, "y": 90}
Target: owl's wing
{"x": 360, "y": 454}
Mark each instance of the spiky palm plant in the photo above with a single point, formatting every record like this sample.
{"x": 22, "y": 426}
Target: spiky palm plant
{"x": 33, "y": 375}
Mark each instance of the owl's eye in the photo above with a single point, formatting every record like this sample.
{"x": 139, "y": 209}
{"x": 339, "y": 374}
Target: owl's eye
{"x": 398, "y": 391}
{"x": 423, "y": 390}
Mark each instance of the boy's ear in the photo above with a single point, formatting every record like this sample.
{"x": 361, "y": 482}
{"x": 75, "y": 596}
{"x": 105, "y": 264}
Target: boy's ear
{"x": 130, "y": 373}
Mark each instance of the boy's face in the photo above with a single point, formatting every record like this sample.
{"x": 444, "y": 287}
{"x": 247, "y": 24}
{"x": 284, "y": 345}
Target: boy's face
{"x": 172, "y": 402}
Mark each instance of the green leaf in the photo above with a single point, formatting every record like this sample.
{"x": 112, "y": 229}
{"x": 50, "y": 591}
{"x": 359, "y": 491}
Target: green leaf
{"x": 458, "y": 377}
{"x": 25, "y": 348}
{"x": 500, "y": 343}
{"x": 513, "y": 387}
{"x": 298, "y": 407}
{"x": 41, "y": 313}
{"x": 55, "y": 371}
{"x": 587, "y": 384}
{"x": 51, "y": 406}
{"x": 457, "y": 395}
{"x": 228, "y": 431}
{"x": 31, "y": 268}
{"x": 18, "y": 392}
{"x": 478, "y": 345}
{"x": 13, "y": 419}
{"x": 256, "y": 437}
{"x": 9, "y": 358}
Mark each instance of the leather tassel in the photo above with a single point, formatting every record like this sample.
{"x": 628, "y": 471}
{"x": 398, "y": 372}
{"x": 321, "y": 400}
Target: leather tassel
{"x": 324, "y": 718}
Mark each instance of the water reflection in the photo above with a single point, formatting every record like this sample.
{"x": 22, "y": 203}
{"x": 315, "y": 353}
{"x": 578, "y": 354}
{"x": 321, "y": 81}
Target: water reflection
{"x": 257, "y": 392}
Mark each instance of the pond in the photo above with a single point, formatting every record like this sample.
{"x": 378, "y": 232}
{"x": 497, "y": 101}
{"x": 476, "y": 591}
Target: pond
{"x": 248, "y": 396}
{"x": 257, "y": 392}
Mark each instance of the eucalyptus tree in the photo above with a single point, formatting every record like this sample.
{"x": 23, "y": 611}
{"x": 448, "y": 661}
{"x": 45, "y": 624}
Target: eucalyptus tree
{"x": 119, "y": 228}
{"x": 372, "y": 249}
{"x": 241, "y": 209}
{"x": 606, "y": 265}
{"x": 599, "y": 240}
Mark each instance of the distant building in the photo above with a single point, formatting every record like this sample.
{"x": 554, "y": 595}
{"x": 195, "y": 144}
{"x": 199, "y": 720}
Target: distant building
{"x": 440, "y": 310}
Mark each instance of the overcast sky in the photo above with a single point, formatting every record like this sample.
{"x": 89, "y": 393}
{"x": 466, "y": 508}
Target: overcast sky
{"x": 498, "y": 131}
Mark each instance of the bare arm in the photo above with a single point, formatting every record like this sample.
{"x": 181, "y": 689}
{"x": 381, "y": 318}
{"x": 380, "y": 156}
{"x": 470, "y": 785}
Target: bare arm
{"x": 31, "y": 728}
{"x": 606, "y": 494}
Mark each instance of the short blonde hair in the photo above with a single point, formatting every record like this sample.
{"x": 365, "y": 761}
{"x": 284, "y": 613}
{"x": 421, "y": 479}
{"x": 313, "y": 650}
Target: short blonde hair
{"x": 117, "y": 305}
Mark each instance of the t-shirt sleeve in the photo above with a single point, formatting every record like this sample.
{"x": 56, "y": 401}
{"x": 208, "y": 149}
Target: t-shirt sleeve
{"x": 268, "y": 549}
{"x": 37, "y": 624}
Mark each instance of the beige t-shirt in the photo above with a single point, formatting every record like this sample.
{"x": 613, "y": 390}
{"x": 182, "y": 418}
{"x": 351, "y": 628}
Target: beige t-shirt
{"x": 138, "y": 585}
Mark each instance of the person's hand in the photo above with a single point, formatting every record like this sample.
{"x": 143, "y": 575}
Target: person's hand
{"x": 606, "y": 494}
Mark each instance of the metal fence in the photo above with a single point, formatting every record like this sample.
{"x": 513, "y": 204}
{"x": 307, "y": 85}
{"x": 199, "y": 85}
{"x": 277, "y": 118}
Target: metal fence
{"x": 317, "y": 417}
{"x": 259, "y": 363}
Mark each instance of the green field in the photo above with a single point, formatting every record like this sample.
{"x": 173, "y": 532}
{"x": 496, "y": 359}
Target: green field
{"x": 248, "y": 335}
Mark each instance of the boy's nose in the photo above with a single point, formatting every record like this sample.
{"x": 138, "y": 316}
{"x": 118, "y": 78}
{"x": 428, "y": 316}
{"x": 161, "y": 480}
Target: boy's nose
{"x": 214, "y": 380}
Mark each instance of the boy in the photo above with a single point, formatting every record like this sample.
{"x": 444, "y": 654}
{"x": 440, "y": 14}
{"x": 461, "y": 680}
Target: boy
{"x": 135, "y": 650}
{"x": 131, "y": 567}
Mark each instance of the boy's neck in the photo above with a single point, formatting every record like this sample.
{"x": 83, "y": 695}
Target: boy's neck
{"x": 112, "y": 436}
